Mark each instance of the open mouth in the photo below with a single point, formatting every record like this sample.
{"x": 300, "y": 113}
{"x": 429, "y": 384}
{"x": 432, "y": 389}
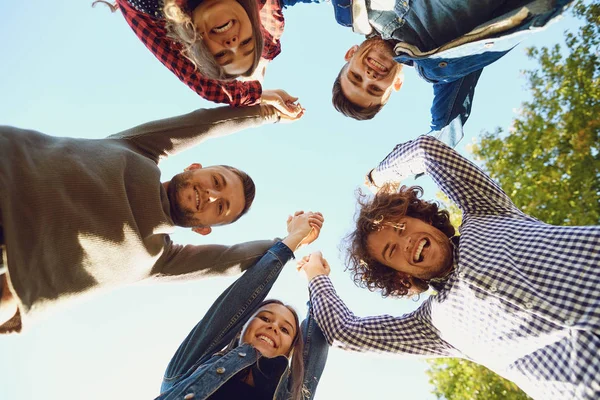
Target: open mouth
{"x": 267, "y": 340}
{"x": 197, "y": 198}
{"x": 423, "y": 244}
{"x": 377, "y": 66}
{"x": 223, "y": 28}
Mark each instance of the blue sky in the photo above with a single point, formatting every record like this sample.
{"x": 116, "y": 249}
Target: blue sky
{"x": 70, "y": 70}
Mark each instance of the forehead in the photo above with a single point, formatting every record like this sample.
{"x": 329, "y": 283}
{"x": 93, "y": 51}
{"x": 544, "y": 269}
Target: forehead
{"x": 279, "y": 311}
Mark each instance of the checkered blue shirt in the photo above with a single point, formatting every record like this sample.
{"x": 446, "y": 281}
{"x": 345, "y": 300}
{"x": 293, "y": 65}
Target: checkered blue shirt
{"x": 524, "y": 299}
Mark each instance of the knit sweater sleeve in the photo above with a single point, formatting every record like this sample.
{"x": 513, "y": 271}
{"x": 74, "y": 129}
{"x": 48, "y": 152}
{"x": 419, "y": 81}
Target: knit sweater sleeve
{"x": 160, "y": 139}
{"x": 187, "y": 262}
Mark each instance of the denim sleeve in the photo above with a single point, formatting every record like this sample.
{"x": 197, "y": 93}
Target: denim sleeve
{"x": 229, "y": 312}
{"x": 315, "y": 353}
{"x": 289, "y": 3}
{"x": 452, "y": 103}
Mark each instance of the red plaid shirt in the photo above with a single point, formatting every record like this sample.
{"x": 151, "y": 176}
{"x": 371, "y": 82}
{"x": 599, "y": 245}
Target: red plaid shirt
{"x": 152, "y": 32}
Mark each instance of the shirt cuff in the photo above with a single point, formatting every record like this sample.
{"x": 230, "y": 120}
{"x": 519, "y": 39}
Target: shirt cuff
{"x": 282, "y": 252}
{"x": 320, "y": 284}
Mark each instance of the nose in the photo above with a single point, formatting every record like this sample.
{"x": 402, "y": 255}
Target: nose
{"x": 231, "y": 41}
{"x": 371, "y": 73}
{"x": 211, "y": 195}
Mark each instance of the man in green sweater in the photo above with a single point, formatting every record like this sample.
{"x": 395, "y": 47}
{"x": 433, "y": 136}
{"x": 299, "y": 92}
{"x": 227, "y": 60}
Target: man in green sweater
{"x": 79, "y": 216}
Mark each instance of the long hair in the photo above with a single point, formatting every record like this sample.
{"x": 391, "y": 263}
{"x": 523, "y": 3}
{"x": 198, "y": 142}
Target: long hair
{"x": 182, "y": 30}
{"x": 389, "y": 206}
{"x": 248, "y": 186}
{"x": 295, "y": 353}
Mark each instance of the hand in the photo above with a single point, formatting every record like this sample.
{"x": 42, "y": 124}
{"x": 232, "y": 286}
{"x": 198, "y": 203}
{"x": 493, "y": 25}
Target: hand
{"x": 303, "y": 228}
{"x": 286, "y": 105}
{"x": 313, "y": 265}
{"x": 376, "y": 183}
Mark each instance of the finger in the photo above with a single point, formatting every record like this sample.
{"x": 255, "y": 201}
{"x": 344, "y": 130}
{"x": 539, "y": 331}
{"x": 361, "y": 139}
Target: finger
{"x": 298, "y": 213}
{"x": 315, "y": 223}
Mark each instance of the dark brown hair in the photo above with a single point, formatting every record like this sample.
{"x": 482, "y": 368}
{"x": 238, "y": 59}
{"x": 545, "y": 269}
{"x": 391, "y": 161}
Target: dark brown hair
{"x": 248, "y": 186}
{"x": 389, "y": 206}
{"x": 183, "y": 31}
{"x": 348, "y": 108}
{"x": 296, "y": 350}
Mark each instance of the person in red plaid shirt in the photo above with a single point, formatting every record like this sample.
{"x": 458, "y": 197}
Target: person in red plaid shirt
{"x": 237, "y": 36}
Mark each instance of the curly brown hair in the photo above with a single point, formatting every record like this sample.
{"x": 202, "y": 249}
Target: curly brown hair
{"x": 391, "y": 205}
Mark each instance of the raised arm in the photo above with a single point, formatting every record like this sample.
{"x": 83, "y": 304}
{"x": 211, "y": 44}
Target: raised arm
{"x": 150, "y": 29}
{"x": 409, "y": 334}
{"x": 461, "y": 180}
{"x": 241, "y": 299}
{"x": 166, "y": 137}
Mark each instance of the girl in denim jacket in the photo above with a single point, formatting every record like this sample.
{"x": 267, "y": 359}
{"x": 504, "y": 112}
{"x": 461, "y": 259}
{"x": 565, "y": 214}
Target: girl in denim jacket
{"x": 248, "y": 348}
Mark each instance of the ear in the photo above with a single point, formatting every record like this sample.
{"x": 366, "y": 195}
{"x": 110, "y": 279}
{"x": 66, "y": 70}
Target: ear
{"x": 350, "y": 53}
{"x": 203, "y": 231}
{"x": 193, "y": 167}
{"x": 398, "y": 82}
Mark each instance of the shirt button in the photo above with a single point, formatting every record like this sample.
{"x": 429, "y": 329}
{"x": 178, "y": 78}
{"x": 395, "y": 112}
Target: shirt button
{"x": 443, "y": 64}
{"x": 461, "y": 275}
{"x": 569, "y": 322}
{"x": 188, "y": 396}
{"x": 220, "y": 370}
{"x": 401, "y": 20}
{"x": 242, "y": 354}
{"x": 489, "y": 45}
{"x": 529, "y": 305}
{"x": 493, "y": 289}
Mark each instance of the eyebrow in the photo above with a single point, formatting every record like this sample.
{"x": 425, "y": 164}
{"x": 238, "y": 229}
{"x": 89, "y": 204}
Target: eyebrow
{"x": 348, "y": 75}
{"x": 284, "y": 320}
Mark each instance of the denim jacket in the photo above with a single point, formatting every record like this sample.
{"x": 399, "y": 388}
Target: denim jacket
{"x": 455, "y": 67}
{"x": 199, "y": 367}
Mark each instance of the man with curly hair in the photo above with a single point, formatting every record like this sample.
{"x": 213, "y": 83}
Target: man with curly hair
{"x": 511, "y": 292}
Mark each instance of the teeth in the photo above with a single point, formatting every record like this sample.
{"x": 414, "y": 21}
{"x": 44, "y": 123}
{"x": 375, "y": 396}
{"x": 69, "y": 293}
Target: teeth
{"x": 197, "y": 199}
{"x": 223, "y": 28}
{"x": 417, "y": 255}
{"x": 377, "y": 64}
{"x": 266, "y": 339}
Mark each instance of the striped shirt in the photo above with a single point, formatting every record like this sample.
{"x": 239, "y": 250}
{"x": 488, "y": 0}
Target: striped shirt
{"x": 523, "y": 300}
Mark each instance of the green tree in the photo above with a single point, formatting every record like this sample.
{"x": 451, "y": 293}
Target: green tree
{"x": 549, "y": 160}
{"x": 457, "y": 379}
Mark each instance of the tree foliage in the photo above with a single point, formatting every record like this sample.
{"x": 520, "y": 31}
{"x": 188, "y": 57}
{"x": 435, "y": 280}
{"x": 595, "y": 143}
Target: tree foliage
{"x": 549, "y": 161}
{"x": 457, "y": 379}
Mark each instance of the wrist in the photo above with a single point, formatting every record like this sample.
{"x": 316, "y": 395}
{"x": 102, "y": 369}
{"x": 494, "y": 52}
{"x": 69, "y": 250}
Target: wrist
{"x": 293, "y": 240}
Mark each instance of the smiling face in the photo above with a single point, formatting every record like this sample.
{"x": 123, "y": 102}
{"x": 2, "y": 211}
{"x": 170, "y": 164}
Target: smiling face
{"x": 227, "y": 32}
{"x": 271, "y": 330}
{"x": 204, "y": 197}
{"x": 413, "y": 247}
{"x": 371, "y": 73}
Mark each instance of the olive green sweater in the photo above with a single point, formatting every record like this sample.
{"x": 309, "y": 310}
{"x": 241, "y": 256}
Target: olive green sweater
{"x": 83, "y": 215}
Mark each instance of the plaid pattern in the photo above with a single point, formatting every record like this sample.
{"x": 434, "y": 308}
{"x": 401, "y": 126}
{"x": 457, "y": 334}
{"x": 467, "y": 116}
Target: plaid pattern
{"x": 523, "y": 299}
{"x": 146, "y": 20}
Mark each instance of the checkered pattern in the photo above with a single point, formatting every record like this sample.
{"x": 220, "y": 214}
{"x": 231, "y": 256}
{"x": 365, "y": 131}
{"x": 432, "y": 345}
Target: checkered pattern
{"x": 524, "y": 298}
{"x": 146, "y": 19}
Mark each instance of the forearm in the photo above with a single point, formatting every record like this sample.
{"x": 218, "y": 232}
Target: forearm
{"x": 204, "y": 261}
{"x": 163, "y": 138}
